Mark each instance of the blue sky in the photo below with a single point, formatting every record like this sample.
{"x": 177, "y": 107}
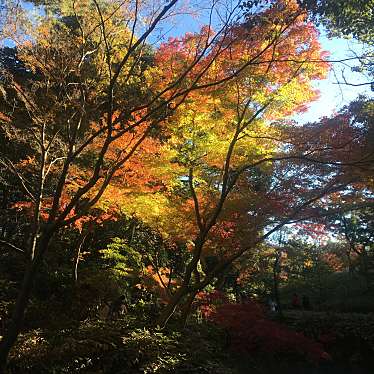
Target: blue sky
{"x": 332, "y": 95}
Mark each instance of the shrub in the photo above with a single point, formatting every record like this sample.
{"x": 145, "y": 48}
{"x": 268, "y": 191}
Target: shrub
{"x": 251, "y": 332}
{"x": 120, "y": 346}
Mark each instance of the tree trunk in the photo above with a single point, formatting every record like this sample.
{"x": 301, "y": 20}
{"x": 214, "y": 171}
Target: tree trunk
{"x": 15, "y": 324}
{"x": 184, "y": 289}
{"x": 365, "y": 268}
{"x": 171, "y": 307}
{"x": 276, "y": 270}
{"x": 186, "y": 310}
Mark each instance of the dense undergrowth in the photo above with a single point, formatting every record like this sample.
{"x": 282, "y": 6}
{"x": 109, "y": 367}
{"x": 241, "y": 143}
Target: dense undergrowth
{"x": 120, "y": 347}
{"x": 225, "y": 338}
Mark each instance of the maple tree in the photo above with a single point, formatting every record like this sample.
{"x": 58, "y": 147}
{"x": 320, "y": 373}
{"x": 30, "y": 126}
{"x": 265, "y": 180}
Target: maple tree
{"x": 223, "y": 148}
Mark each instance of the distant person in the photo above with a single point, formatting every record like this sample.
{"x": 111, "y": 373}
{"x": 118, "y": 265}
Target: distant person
{"x": 272, "y": 305}
{"x": 306, "y": 303}
{"x": 296, "y": 301}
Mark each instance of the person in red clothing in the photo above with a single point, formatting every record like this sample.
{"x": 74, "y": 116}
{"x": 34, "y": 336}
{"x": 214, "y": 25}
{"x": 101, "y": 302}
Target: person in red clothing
{"x": 296, "y": 301}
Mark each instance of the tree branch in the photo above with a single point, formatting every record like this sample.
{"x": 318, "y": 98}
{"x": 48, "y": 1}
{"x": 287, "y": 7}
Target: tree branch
{"x": 11, "y": 246}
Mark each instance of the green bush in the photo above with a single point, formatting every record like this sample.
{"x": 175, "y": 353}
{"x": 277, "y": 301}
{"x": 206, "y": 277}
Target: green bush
{"x": 121, "y": 346}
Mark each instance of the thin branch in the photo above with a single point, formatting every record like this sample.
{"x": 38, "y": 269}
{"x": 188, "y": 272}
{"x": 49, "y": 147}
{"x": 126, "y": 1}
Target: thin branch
{"x": 11, "y": 246}
{"x": 107, "y": 48}
{"x": 141, "y": 39}
{"x": 52, "y": 163}
{"x": 11, "y": 167}
{"x": 199, "y": 221}
{"x": 220, "y": 267}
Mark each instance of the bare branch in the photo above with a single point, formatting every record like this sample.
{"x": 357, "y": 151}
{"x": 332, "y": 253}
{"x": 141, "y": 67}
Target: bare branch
{"x": 199, "y": 221}
{"x": 11, "y": 246}
{"x": 11, "y": 167}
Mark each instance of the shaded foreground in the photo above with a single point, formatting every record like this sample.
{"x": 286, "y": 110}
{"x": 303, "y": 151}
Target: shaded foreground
{"x": 127, "y": 345}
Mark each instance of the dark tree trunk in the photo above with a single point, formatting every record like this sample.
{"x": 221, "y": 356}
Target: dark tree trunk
{"x": 17, "y": 318}
{"x": 276, "y": 270}
{"x": 186, "y": 309}
{"x": 184, "y": 289}
{"x": 170, "y": 308}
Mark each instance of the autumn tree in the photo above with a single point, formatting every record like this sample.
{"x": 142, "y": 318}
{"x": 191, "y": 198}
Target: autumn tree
{"x": 353, "y": 230}
{"x": 237, "y": 169}
{"x": 95, "y": 95}
{"x": 224, "y": 144}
